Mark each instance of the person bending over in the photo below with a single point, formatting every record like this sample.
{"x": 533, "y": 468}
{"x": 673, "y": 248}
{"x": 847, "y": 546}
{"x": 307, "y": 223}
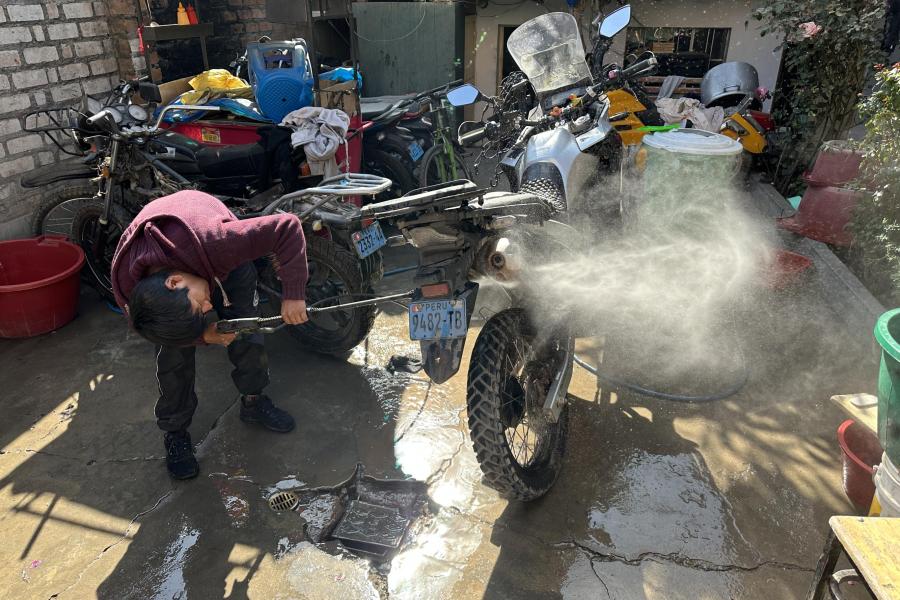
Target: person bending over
{"x": 183, "y": 256}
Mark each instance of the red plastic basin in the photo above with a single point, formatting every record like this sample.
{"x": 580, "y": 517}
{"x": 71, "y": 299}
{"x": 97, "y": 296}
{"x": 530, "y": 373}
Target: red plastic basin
{"x": 860, "y": 452}
{"x": 824, "y": 215}
{"x": 786, "y": 270}
{"x": 39, "y": 281}
{"x": 835, "y": 166}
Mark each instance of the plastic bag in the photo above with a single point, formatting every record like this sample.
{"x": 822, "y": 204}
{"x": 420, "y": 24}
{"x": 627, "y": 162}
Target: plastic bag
{"x": 341, "y": 74}
{"x": 216, "y": 83}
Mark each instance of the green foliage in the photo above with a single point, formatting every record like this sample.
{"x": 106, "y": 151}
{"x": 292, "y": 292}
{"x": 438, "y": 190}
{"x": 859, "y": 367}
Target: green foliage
{"x": 876, "y": 222}
{"x": 823, "y": 73}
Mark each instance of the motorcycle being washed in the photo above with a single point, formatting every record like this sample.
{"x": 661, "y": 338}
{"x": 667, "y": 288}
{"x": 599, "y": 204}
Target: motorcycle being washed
{"x": 521, "y": 363}
{"x": 130, "y": 161}
{"x": 566, "y": 149}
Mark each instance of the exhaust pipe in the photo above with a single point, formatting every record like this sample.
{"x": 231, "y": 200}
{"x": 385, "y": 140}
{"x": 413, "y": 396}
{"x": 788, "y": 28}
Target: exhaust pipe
{"x": 497, "y": 258}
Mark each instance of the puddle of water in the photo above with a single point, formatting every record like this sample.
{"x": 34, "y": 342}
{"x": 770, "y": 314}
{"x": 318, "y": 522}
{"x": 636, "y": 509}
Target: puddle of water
{"x": 236, "y": 506}
{"x": 319, "y": 574}
{"x": 423, "y": 450}
{"x": 461, "y": 486}
{"x": 436, "y": 559}
{"x": 288, "y": 483}
{"x": 286, "y": 545}
{"x": 387, "y": 338}
{"x": 304, "y": 571}
{"x": 388, "y": 389}
{"x": 665, "y": 504}
{"x": 319, "y": 512}
{"x": 172, "y": 586}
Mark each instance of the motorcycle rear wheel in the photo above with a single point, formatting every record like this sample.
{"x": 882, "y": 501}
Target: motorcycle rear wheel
{"x": 333, "y": 271}
{"x": 385, "y": 164}
{"x": 520, "y": 452}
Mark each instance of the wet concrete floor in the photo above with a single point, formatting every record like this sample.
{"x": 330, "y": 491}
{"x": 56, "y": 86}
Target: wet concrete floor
{"x": 655, "y": 500}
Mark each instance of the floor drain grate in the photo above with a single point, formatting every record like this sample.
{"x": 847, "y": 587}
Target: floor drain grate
{"x": 283, "y": 501}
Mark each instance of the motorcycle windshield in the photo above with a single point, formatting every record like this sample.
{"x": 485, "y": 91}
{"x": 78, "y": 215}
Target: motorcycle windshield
{"x": 548, "y": 50}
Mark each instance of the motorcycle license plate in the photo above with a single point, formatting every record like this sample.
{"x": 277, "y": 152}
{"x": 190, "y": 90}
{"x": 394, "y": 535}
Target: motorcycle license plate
{"x": 437, "y": 320}
{"x": 415, "y": 151}
{"x": 368, "y": 240}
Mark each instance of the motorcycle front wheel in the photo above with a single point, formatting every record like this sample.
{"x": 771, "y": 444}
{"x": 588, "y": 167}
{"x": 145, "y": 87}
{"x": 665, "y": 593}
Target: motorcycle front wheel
{"x": 520, "y": 452}
{"x": 435, "y": 167}
{"x": 51, "y": 217}
{"x": 334, "y": 273}
{"x": 98, "y": 241}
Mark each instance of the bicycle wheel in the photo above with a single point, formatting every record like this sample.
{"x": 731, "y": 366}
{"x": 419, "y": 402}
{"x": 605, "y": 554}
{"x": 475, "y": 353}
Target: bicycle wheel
{"x": 436, "y": 162}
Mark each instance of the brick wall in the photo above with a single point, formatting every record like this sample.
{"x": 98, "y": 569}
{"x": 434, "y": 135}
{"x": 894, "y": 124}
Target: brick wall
{"x": 52, "y": 53}
{"x": 235, "y": 23}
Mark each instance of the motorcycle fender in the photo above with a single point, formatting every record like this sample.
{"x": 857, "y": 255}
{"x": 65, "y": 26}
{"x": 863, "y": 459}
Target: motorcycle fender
{"x": 593, "y": 136}
{"x": 513, "y": 159}
{"x": 441, "y": 358}
{"x": 753, "y": 140}
{"x": 557, "y": 147}
{"x": 54, "y": 173}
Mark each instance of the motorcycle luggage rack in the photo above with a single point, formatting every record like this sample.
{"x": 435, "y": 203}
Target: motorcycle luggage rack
{"x": 60, "y": 125}
{"x": 436, "y": 197}
{"x": 346, "y": 184}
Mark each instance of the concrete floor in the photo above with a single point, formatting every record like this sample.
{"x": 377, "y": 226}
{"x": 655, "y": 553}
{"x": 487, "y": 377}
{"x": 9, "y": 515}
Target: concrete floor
{"x": 655, "y": 500}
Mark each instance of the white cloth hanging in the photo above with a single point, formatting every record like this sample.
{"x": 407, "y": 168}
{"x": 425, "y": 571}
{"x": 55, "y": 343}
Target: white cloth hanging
{"x": 677, "y": 110}
{"x": 320, "y": 131}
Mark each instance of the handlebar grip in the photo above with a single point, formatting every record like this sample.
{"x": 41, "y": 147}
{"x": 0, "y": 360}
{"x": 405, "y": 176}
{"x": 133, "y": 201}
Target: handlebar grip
{"x": 94, "y": 118}
{"x": 639, "y": 66}
{"x": 472, "y": 137}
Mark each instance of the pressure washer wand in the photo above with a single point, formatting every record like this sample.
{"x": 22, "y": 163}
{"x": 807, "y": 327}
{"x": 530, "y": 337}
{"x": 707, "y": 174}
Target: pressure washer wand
{"x": 273, "y": 324}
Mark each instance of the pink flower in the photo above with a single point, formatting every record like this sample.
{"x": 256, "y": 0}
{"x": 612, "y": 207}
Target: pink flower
{"x": 809, "y": 29}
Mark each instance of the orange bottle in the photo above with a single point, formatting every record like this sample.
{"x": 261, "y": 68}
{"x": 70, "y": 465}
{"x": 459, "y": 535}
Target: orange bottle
{"x": 192, "y": 15}
{"x": 182, "y": 15}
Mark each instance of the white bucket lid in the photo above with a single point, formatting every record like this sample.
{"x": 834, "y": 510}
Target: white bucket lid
{"x": 694, "y": 141}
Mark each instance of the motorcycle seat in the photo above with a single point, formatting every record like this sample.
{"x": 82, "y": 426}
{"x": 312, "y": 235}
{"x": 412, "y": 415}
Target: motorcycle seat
{"x": 511, "y": 203}
{"x": 375, "y": 106}
{"x": 218, "y": 162}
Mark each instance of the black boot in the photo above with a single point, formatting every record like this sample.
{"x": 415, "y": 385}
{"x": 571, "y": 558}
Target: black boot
{"x": 260, "y": 410}
{"x": 180, "y": 455}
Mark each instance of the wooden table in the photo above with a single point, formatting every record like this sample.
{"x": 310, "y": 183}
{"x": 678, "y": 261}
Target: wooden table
{"x": 872, "y": 544}
{"x": 862, "y": 408}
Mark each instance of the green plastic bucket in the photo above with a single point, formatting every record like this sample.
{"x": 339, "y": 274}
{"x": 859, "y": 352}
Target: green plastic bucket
{"x": 685, "y": 169}
{"x": 887, "y": 333}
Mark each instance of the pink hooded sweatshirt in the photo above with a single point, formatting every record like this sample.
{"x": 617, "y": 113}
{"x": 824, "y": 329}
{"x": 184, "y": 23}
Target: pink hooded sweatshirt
{"x": 194, "y": 232}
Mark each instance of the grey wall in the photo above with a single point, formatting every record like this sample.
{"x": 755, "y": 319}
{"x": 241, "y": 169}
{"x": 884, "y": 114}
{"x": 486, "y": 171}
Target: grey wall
{"x": 409, "y": 46}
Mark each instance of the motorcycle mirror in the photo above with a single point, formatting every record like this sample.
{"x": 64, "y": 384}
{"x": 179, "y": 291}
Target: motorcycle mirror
{"x": 149, "y": 91}
{"x": 463, "y": 95}
{"x": 615, "y": 22}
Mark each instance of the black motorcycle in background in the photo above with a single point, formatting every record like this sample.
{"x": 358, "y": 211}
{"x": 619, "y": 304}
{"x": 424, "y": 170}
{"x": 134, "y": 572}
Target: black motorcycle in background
{"x": 122, "y": 161}
{"x": 399, "y": 132}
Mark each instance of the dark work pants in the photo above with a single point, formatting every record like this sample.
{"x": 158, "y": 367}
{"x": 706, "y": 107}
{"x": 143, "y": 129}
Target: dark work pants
{"x": 891, "y": 28}
{"x": 175, "y": 366}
